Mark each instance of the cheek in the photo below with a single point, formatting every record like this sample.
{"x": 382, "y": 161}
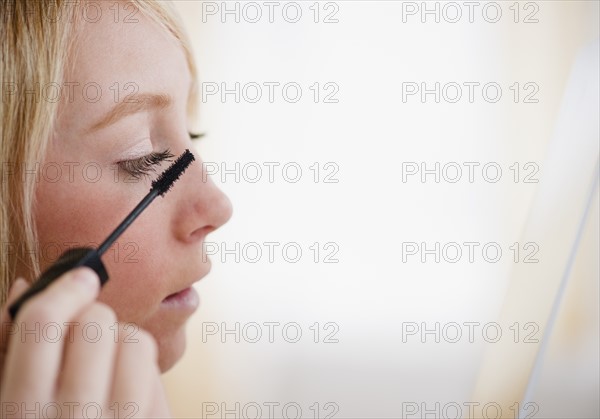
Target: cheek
{"x": 67, "y": 215}
{"x": 83, "y": 214}
{"x": 138, "y": 265}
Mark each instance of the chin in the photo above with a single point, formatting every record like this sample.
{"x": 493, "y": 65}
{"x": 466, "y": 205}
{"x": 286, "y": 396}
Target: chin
{"x": 170, "y": 349}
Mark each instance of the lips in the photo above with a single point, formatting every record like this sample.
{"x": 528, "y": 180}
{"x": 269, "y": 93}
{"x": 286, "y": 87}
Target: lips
{"x": 178, "y": 295}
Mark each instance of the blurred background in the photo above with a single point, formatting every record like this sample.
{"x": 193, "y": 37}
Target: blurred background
{"x": 412, "y": 182}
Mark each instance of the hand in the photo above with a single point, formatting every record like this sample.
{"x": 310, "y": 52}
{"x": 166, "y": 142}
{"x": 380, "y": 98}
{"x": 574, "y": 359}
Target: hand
{"x": 65, "y": 355}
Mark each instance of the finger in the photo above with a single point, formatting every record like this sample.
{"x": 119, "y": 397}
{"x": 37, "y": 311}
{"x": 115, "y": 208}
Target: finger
{"x": 7, "y": 328}
{"x": 89, "y": 356}
{"x": 160, "y": 408}
{"x": 33, "y": 360}
{"x": 18, "y": 288}
{"x": 135, "y": 375}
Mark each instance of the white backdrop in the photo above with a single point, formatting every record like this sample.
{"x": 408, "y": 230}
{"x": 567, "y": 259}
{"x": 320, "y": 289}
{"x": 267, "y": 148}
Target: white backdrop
{"x": 332, "y": 175}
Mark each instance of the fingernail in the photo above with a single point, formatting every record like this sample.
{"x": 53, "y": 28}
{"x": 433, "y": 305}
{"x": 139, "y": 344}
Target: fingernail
{"x": 18, "y": 285}
{"x": 87, "y": 277}
{"x": 19, "y": 282}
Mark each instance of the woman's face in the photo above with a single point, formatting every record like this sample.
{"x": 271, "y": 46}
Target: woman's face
{"x": 101, "y": 124}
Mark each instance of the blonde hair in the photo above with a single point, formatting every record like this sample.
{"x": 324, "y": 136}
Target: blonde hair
{"x": 37, "y": 40}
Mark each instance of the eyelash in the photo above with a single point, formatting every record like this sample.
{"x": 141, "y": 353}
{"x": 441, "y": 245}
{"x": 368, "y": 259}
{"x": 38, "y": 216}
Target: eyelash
{"x": 145, "y": 165}
{"x": 196, "y": 135}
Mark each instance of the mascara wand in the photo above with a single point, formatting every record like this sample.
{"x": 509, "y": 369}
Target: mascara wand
{"x": 90, "y": 257}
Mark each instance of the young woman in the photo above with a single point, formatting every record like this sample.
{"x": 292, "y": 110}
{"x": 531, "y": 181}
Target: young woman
{"x": 96, "y": 97}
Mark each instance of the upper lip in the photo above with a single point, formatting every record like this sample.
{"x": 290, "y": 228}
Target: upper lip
{"x": 198, "y": 278}
{"x": 182, "y": 289}
{"x": 199, "y": 235}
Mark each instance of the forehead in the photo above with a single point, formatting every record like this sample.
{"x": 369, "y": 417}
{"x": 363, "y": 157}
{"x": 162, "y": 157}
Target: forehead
{"x": 114, "y": 57}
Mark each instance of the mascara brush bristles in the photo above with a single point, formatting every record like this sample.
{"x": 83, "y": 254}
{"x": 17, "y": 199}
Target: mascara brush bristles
{"x": 166, "y": 180}
{"x": 159, "y": 187}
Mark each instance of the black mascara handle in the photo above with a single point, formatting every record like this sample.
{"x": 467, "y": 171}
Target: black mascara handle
{"x": 70, "y": 259}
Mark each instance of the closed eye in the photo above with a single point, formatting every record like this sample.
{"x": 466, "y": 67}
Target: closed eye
{"x": 145, "y": 165}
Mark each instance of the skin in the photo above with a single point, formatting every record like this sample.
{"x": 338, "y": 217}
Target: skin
{"x": 161, "y": 253}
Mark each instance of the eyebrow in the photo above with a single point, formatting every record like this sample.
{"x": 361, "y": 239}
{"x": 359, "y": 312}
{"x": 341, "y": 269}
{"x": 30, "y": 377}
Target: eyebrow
{"x": 133, "y": 104}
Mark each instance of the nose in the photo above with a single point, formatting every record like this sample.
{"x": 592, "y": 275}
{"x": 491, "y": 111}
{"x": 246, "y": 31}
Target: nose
{"x": 202, "y": 206}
